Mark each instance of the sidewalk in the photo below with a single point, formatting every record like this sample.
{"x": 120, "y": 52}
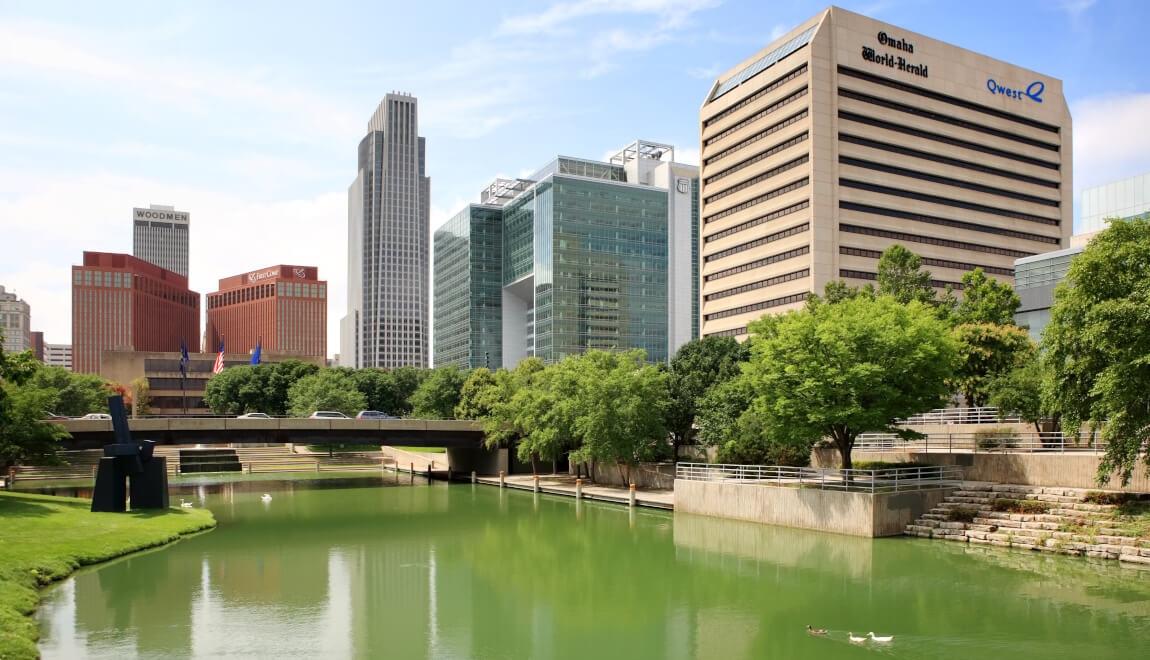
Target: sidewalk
{"x": 563, "y": 484}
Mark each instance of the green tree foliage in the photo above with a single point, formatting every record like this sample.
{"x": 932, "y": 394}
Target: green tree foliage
{"x": 729, "y": 422}
{"x": 1097, "y": 345}
{"x": 985, "y": 300}
{"x": 438, "y": 394}
{"x": 280, "y": 377}
{"x": 24, "y": 437}
{"x": 479, "y": 395}
{"x": 75, "y": 394}
{"x": 986, "y": 351}
{"x": 506, "y": 420}
{"x": 1021, "y": 391}
{"x": 397, "y": 400}
{"x": 900, "y": 276}
{"x": 835, "y": 371}
{"x": 328, "y": 389}
{"x": 255, "y": 388}
{"x": 697, "y": 367}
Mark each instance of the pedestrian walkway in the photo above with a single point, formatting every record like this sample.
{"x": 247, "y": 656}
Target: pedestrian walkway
{"x": 563, "y": 484}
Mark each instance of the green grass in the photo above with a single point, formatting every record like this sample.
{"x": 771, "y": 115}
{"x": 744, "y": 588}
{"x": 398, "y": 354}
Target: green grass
{"x": 45, "y": 538}
{"x": 425, "y": 450}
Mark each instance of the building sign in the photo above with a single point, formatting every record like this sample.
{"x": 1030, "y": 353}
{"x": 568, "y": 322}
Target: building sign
{"x": 300, "y": 273}
{"x": 261, "y": 275}
{"x": 683, "y": 185}
{"x": 1033, "y": 91}
{"x": 890, "y": 59}
{"x": 160, "y": 214}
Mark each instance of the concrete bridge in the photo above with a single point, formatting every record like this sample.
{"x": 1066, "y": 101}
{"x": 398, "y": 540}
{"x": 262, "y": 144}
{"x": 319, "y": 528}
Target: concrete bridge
{"x": 449, "y": 433}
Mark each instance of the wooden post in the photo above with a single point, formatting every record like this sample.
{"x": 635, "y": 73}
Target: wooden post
{"x": 535, "y": 488}
{"x": 473, "y": 479}
{"x": 578, "y": 489}
{"x": 631, "y": 502}
{"x": 501, "y": 480}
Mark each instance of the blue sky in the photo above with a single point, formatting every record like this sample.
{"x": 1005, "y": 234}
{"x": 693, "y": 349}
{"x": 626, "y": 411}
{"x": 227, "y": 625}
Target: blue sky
{"x": 248, "y": 114}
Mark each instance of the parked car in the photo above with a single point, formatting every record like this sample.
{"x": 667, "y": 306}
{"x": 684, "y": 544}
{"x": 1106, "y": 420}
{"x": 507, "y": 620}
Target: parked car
{"x": 97, "y": 416}
{"x": 254, "y": 415}
{"x": 327, "y": 414}
{"x": 373, "y": 414}
{"x": 51, "y": 415}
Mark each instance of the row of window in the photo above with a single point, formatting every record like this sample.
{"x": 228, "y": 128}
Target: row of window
{"x": 755, "y": 180}
{"x": 864, "y": 275}
{"x": 766, "y": 304}
{"x": 947, "y": 181}
{"x": 930, "y": 240}
{"x": 761, "y": 284}
{"x": 770, "y": 238}
{"x": 762, "y": 219}
{"x": 794, "y": 185}
{"x": 733, "y": 332}
{"x": 739, "y": 146}
{"x": 947, "y": 201}
{"x": 791, "y": 98}
{"x": 946, "y": 160}
{"x": 930, "y": 261}
{"x": 758, "y": 263}
{"x": 945, "y": 222}
{"x": 762, "y": 155}
{"x": 945, "y": 139}
{"x": 758, "y": 94}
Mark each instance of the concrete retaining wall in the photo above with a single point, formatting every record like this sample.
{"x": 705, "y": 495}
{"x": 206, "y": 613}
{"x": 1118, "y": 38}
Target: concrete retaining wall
{"x": 647, "y": 476}
{"x": 856, "y": 514}
{"x": 1070, "y": 470}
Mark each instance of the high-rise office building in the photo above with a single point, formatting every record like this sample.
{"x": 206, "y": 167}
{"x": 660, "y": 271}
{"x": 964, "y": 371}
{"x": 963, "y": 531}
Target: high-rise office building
{"x": 284, "y": 308}
{"x": 123, "y": 303}
{"x": 15, "y": 322}
{"x": 38, "y": 345}
{"x": 847, "y": 135}
{"x": 583, "y": 254}
{"x": 1125, "y": 198}
{"x": 160, "y": 237}
{"x": 388, "y": 243}
{"x": 58, "y": 355}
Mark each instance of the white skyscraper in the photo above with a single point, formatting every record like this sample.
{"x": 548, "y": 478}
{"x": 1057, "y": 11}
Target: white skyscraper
{"x": 388, "y": 244}
{"x": 15, "y": 322}
{"x": 160, "y": 236}
{"x": 58, "y": 355}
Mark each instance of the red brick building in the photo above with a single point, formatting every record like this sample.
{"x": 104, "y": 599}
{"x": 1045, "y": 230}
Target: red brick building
{"x": 123, "y": 303}
{"x": 284, "y": 307}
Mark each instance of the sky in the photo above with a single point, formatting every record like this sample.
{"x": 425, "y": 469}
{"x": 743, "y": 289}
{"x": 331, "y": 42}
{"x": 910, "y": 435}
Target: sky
{"x": 248, "y": 114}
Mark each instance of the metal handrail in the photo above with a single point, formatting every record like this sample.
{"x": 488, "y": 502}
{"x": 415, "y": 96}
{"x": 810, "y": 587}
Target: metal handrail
{"x": 979, "y": 415}
{"x": 890, "y": 480}
{"x": 968, "y": 442}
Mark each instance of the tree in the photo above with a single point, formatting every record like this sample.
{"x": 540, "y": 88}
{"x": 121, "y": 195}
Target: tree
{"x": 1098, "y": 342}
{"x": 986, "y": 351}
{"x": 75, "y": 394}
{"x": 1020, "y": 391}
{"x": 275, "y": 381}
{"x": 985, "y": 300}
{"x": 328, "y": 389}
{"x": 478, "y": 396}
{"x": 141, "y": 396}
{"x": 900, "y": 276}
{"x": 438, "y": 394}
{"x": 728, "y": 421}
{"x": 697, "y": 367}
{"x": 234, "y": 391}
{"x": 24, "y": 437}
{"x": 835, "y": 371}
{"x": 505, "y": 421}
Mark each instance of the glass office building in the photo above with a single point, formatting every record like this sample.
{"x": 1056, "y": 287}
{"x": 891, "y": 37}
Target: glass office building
{"x": 581, "y": 255}
{"x": 1127, "y": 198}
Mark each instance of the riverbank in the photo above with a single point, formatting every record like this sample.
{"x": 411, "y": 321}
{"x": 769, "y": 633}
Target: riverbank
{"x": 46, "y": 538}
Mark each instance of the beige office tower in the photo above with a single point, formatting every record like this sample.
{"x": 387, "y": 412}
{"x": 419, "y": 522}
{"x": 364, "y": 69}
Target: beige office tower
{"x": 848, "y": 135}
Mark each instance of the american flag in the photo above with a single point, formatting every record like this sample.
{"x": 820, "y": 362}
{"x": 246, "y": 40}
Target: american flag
{"x": 219, "y": 365}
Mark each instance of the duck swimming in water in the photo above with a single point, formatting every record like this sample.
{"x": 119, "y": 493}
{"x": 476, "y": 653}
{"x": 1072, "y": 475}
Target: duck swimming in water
{"x": 816, "y": 631}
{"x": 266, "y": 498}
{"x": 856, "y": 640}
{"x": 880, "y": 639}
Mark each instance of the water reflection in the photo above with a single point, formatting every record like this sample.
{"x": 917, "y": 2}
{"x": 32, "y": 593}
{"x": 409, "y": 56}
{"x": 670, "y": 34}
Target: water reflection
{"x": 351, "y": 569}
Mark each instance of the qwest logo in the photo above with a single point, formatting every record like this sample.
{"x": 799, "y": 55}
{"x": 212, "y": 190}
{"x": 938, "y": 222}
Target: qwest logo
{"x": 1033, "y": 91}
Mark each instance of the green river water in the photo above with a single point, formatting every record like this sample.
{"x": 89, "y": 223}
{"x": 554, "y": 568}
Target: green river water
{"x": 366, "y": 567}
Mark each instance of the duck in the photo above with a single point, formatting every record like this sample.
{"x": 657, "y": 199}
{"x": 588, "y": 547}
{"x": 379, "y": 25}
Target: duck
{"x": 266, "y": 498}
{"x": 856, "y": 640}
{"x": 880, "y": 639}
{"x": 816, "y": 631}
{"x": 185, "y": 504}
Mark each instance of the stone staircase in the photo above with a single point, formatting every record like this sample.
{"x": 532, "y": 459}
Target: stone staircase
{"x": 1039, "y": 518}
{"x": 80, "y": 464}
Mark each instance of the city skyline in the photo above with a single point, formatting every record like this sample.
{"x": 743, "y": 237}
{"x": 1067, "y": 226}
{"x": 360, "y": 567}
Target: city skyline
{"x": 267, "y": 169}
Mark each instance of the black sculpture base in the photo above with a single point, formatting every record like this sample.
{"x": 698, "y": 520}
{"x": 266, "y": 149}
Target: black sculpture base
{"x": 149, "y": 490}
{"x": 127, "y": 465}
{"x": 111, "y": 492}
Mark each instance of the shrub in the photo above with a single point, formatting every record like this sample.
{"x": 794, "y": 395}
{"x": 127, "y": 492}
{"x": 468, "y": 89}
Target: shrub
{"x": 1101, "y": 497}
{"x": 1007, "y": 505}
{"x": 885, "y": 465}
{"x": 996, "y": 438}
{"x": 962, "y": 514}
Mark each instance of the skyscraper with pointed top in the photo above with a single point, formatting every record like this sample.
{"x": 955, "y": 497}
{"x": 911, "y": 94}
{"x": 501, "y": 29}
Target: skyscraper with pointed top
{"x": 388, "y": 231}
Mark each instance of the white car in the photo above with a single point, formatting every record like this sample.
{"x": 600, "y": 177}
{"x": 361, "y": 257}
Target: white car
{"x": 97, "y": 416}
{"x": 254, "y": 415}
{"x": 327, "y": 414}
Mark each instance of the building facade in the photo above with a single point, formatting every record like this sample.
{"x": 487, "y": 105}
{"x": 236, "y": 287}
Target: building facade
{"x": 389, "y": 243}
{"x": 15, "y": 322}
{"x": 1127, "y": 198}
{"x": 284, "y": 308}
{"x": 123, "y": 303}
{"x": 37, "y": 345}
{"x": 848, "y": 135}
{"x": 581, "y": 255}
{"x": 160, "y": 237}
{"x": 58, "y": 355}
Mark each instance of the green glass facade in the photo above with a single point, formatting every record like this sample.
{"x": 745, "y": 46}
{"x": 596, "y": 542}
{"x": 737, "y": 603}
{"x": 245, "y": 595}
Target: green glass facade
{"x": 468, "y": 289}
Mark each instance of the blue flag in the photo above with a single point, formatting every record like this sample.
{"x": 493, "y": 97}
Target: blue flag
{"x": 256, "y": 353}
{"x": 184, "y": 359}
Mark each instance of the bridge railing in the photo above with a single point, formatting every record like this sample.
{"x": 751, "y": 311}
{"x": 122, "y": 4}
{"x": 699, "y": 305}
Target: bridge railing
{"x": 891, "y": 480}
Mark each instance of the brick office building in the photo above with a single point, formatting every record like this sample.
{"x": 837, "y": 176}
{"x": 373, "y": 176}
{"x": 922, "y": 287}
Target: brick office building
{"x": 283, "y": 307}
{"x": 123, "y": 303}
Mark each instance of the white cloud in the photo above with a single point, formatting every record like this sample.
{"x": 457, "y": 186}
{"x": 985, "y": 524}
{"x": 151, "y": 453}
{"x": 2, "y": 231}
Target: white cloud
{"x": 671, "y": 13}
{"x": 705, "y": 72}
{"x": 1075, "y": 7}
{"x": 779, "y": 30}
{"x": 1111, "y": 140}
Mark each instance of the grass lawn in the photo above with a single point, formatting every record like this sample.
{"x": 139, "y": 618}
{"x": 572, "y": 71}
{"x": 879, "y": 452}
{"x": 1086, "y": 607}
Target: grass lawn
{"x": 45, "y": 538}
{"x": 425, "y": 450}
